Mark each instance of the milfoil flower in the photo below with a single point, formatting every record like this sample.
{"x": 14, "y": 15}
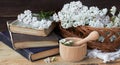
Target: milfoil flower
{"x": 113, "y": 10}
{"x": 75, "y": 14}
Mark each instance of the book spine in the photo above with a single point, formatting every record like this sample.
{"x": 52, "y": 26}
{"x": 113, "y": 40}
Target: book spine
{"x": 5, "y": 39}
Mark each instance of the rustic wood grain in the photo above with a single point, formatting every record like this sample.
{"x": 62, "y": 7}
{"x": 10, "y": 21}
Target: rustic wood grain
{"x": 10, "y": 57}
{"x": 3, "y": 21}
{"x": 10, "y": 8}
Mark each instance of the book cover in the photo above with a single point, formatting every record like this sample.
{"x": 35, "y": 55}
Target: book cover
{"x": 20, "y": 41}
{"x": 31, "y": 54}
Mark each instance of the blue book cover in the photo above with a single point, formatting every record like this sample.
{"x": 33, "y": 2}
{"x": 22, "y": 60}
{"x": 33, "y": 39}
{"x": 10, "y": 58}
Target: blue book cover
{"x": 30, "y": 53}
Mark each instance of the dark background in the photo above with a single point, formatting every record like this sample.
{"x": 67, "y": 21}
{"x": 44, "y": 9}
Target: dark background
{"x": 9, "y": 9}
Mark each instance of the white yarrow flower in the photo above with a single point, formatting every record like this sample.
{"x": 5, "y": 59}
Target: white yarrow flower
{"x": 62, "y": 41}
{"x": 35, "y": 24}
{"x": 116, "y": 22}
{"x": 27, "y": 12}
{"x": 66, "y": 7}
{"x": 113, "y": 10}
{"x": 91, "y": 23}
{"x": 105, "y": 10}
{"x": 19, "y": 18}
{"x": 98, "y": 24}
{"x": 25, "y": 21}
{"x": 109, "y": 25}
{"x": 31, "y": 21}
{"x": 34, "y": 19}
{"x": 65, "y": 25}
{"x": 47, "y": 60}
{"x": 75, "y": 14}
{"x": 55, "y": 17}
{"x": 119, "y": 15}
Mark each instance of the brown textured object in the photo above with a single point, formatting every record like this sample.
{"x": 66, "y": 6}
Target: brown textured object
{"x": 83, "y": 31}
{"x": 73, "y": 53}
{"x": 107, "y": 33}
{"x": 29, "y": 31}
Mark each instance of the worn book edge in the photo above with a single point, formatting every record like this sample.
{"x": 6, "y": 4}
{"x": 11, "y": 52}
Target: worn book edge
{"x": 28, "y": 44}
{"x": 30, "y": 31}
{"x": 27, "y": 53}
{"x": 33, "y": 44}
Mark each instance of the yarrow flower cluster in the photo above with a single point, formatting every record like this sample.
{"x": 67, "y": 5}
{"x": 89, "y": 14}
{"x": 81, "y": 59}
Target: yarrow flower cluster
{"x": 75, "y": 14}
{"x": 33, "y": 21}
{"x": 66, "y": 42}
{"x": 49, "y": 60}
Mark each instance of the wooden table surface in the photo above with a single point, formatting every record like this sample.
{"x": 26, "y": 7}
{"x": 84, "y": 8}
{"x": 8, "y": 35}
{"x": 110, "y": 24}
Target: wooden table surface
{"x": 10, "y": 8}
{"x": 10, "y": 57}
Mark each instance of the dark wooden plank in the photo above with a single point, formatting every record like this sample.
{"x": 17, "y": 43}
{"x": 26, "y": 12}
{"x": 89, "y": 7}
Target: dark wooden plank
{"x": 14, "y": 7}
{"x": 3, "y": 21}
{"x": 11, "y": 8}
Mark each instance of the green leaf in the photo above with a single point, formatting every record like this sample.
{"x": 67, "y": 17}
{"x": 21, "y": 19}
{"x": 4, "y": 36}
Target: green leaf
{"x": 45, "y": 15}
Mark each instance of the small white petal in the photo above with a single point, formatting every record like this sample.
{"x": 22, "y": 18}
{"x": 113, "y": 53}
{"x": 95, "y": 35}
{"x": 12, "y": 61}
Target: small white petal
{"x": 113, "y": 10}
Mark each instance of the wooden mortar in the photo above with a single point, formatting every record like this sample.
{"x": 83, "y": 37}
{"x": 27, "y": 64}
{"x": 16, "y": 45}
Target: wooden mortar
{"x": 73, "y": 53}
{"x": 79, "y": 49}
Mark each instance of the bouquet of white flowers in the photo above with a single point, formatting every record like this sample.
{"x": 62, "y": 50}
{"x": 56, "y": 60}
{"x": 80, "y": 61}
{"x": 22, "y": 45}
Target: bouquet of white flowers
{"x": 78, "y": 20}
{"x": 75, "y": 14}
{"x": 33, "y": 24}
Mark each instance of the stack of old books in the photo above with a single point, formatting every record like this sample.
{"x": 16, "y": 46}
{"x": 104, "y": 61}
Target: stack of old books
{"x": 30, "y": 38}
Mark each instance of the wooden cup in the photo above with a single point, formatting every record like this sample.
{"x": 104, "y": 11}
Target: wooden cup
{"x": 73, "y": 53}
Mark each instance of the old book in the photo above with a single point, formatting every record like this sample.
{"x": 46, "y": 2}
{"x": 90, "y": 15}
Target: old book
{"x": 20, "y": 41}
{"x": 29, "y": 31}
{"x": 31, "y": 54}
